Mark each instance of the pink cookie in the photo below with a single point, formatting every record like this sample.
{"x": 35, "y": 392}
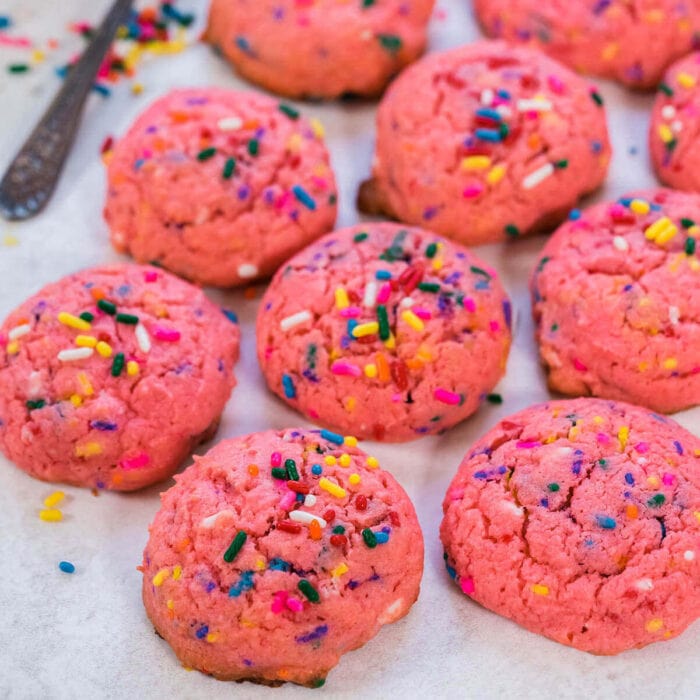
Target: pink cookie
{"x": 486, "y": 142}
{"x": 278, "y": 552}
{"x": 628, "y": 40}
{"x": 319, "y": 48}
{"x": 219, "y": 186}
{"x": 580, "y": 520}
{"x": 675, "y": 123}
{"x": 110, "y": 376}
{"x": 616, "y": 301}
{"x": 384, "y": 332}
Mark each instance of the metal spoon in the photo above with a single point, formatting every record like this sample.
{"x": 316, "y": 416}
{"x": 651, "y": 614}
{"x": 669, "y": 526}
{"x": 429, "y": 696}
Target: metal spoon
{"x": 32, "y": 176}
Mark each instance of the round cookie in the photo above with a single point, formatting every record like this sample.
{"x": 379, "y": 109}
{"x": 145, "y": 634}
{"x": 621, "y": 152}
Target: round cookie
{"x": 278, "y": 552}
{"x": 219, "y": 186}
{"x": 385, "y": 332}
{"x": 631, "y": 41}
{"x": 110, "y": 376}
{"x": 675, "y": 123}
{"x": 579, "y": 520}
{"x": 486, "y": 142}
{"x": 322, "y": 49}
{"x": 616, "y": 301}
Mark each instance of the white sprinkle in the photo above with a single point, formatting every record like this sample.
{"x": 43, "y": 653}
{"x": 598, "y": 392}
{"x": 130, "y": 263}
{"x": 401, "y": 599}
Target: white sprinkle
{"x": 247, "y": 270}
{"x": 305, "y": 518}
{"x": 310, "y": 500}
{"x": 620, "y": 243}
{"x": 406, "y": 302}
{"x": 391, "y": 613}
{"x": 537, "y": 176}
{"x": 668, "y": 112}
{"x": 366, "y": 35}
{"x": 19, "y": 331}
{"x": 230, "y": 123}
{"x": 504, "y": 111}
{"x": 674, "y": 314}
{"x": 202, "y": 216}
{"x": 75, "y": 354}
{"x": 370, "y": 295}
{"x": 689, "y": 555}
{"x": 513, "y": 508}
{"x": 35, "y": 385}
{"x": 677, "y": 126}
{"x": 644, "y": 584}
{"x": 295, "y": 319}
{"x": 487, "y": 96}
{"x": 142, "y": 338}
{"x": 534, "y": 105}
{"x": 210, "y": 520}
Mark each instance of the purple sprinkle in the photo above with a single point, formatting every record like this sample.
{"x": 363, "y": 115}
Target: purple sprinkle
{"x": 352, "y": 585}
{"x": 678, "y": 446}
{"x": 576, "y": 467}
{"x": 430, "y": 213}
{"x": 601, "y": 6}
{"x": 480, "y": 475}
{"x": 102, "y": 425}
{"x": 243, "y": 192}
{"x": 197, "y": 100}
{"x": 319, "y": 632}
{"x": 544, "y": 503}
{"x": 247, "y": 662}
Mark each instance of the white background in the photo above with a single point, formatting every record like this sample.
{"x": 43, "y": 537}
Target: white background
{"x": 87, "y": 635}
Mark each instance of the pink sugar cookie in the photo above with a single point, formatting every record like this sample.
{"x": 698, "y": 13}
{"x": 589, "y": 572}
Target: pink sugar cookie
{"x": 486, "y": 142}
{"x": 110, "y": 376}
{"x": 580, "y": 520}
{"x": 384, "y": 331}
{"x": 631, "y": 41}
{"x": 219, "y": 186}
{"x": 616, "y": 301}
{"x": 675, "y": 123}
{"x": 278, "y": 552}
{"x": 319, "y": 49}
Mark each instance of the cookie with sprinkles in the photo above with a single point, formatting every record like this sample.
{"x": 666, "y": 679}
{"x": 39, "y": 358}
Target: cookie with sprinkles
{"x": 110, "y": 376}
{"x": 580, "y": 520}
{"x": 631, "y": 41}
{"x": 502, "y": 142}
{"x": 384, "y": 331}
{"x": 278, "y": 552}
{"x": 615, "y": 301}
{"x": 319, "y": 48}
{"x": 675, "y": 122}
{"x": 219, "y": 186}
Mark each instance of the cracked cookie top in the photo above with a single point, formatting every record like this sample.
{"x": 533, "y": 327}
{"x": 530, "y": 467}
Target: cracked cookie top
{"x": 384, "y": 331}
{"x": 616, "y": 301}
{"x": 219, "y": 186}
{"x": 486, "y": 142}
{"x": 277, "y": 552}
{"x": 580, "y": 520}
{"x": 111, "y": 375}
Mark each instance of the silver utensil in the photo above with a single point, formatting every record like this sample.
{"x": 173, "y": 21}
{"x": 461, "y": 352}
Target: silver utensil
{"x": 32, "y": 176}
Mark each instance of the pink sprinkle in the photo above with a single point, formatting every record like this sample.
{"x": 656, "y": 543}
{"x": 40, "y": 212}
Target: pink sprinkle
{"x": 3, "y": 340}
{"x": 320, "y": 182}
{"x": 168, "y": 335}
{"x": 278, "y": 601}
{"x": 471, "y": 191}
{"x": 422, "y": 312}
{"x": 396, "y": 398}
{"x": 384, "y": 293}
{"x": 695, "y": 370}
{"x": 135, "y": 462}
{"x": 150, "y": 276}
{"x": 351, "y": 312}
{"x": 642, "y": 447}
{"x": 345, "y": 368}
{"x": 14, "y": 40}
{"x": 579, "y": 365}
{"x": 494, "y": 325}
{"x": 527, "y": 444}
{"x": 448, "y": 397}
{"x": 282, "y": 200}
{"x": 668, "y": 478}
{"x": 617, "y": 211}
{"x": 456, "y": 494}
{"x": 288, "y": 500}
{"x": 103, "y": 71}
{"x": 469, "y": 305}
{"x": 555, "y": 84}
{"x": 268, "y": 352}
{"x": 313, "y": 413}
{"x": 294, "y": 604}
{"x": 275, "y": 459}
{"x": 602, "y": 437}
{"x": 532, "y": 114}
{"x": 467, "y": 585}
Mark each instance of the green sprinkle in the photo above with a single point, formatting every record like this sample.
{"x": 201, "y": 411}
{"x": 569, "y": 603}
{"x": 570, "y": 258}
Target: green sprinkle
{"x": 431, "y": 250}
{"x": 229, "y": 167}
{"x": 87, "y": 316}
{"x": 687, "y": 223}
{"x": 554, "y": 327}
{"x": 479, "y": 271}
{"x": 118, "y": 364}
{"x": 338, "y": 530}
{"x": 107, "y": 306}
{"x": 332, "y": 199}
{"x": 689, "y": 246}
{"x": 657, "y": 500}
{"x": 383, "y": 319}
{"x": 494, "y": 398}
{"x": 279, "y": 473}
{"x": 359, "y": 237}
{"x": 602, "y": 463}
{"x": 666, "y": 89}
{"x": 33, "y": 404}
{"x": 206, "y": 154}
{"x": 369, "y": 537}
{"x": 291, "y": 467}
{"x": 432, "y": 287}
{"x": 308, "y": 590}
{"x": 253, "y": 147}
{"x": 672, "y": 144}
{"x": 597, "y": 98}
{"x": 564, "y": 163}
{"x": 553, "y": 487}
{"x": 542, "y": 263}
{"x": 129, "y": 319}
{"x": 390, "y": 42}
{"x": 512, "y": 230}
{"x": 235, "y": 546}
{"x": 289, "y": 110}
{"x": 503, "y": 130}
{"x": 18, "y": 67}
{"x": 320, "y": 682}
{"x": 368, "y": 3}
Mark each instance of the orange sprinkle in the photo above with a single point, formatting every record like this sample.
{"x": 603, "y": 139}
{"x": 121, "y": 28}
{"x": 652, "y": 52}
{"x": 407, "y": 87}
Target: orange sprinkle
{"x": 383, "y": 367}
{"x": 632, "y": 512}
{"x": 97, "y": 293}
{"x": 315, "y": 530}
{"x": 182, "y": 545}
{"x": 253, "y": 469}
{"x": 250, "y": 292}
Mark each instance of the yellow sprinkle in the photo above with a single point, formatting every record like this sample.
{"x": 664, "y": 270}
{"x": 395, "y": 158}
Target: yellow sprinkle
{"x": 653, "y": 481}
{"x": 643, "y": 366}
{"x": 696, "y": 513}
{"x": 665, "y": 133}
{"x": 685, "y": 80}
{"x": 51, "y": 515}
{"x": 667, "y": 234}
{"x": 132, "y": 368}
{"x": 55, "y": 498}
{"x": 137, "y": 88}
{"x": 371, "y": 370}
{"x": 260, "y": 564}
{"x": 496, "y": 174}
{"x": 640, "y": 206}
{"x": 330, "y": 460}
{"x": 76, "y": 400}
{"x": 437, "y": 264}
{"x": 294, "y": 142}
{"x": 170, "y": 604}
{"x": 350, "y": 403}
{"x": 12, "y": 347}
{"x": 476, "y": 163}
{"x": 573, "y": 432}
{"x": 654, "y": 625}
{"x": 332, "y": 487}
{"x": 350, "y": 441}
{"x": 372, "y": 462}
{"x": 339, "y": 570}
{"x": 550, "y": 439}
{"x": 622, "y": 434}
{"x": 88, "y": 449}
{"x": 345, "y": 460}
{"x": 697, "y": 452}
{"x": 212, "y": 637}
{"x": 73, "y": 321}
{"x": 9, "y": 240}
{"x": 38, "y": 56}
{"x": 610, "y": 51}
{"x": 85, "y": 341}
{"x": 354, "y": 479}
{"x": 334, "y": 354}
{"x": 654, "y": 16}
{"x": 177, "y": 572}
{"x": 317, "y": 128}
{"x": 103, "y": 348}
{"x": 539, "y": 589}
{"x": 363, "y": 329}
{"x": 390, "y": 342}
{"x": 341, "y": 298}
{"x": 412, "y": 320}
{"x": 424, "y": 354}
{"x": 661, "y": 231}
{"x": 160, "y": 577}
{"x": 85, "y": 384}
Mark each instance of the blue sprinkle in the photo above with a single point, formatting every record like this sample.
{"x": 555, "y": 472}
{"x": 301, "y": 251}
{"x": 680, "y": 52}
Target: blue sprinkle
{"x": 352, "y": 585}
{"x": 625, "y": 201}
{"x": 352, "y": 322}
{"x": 382, "y": 537}
{"x": 383, "y": 274}
{"x": 544, "y": 503}
{"x": 655, "y": 207}
{"x": 452, "y": 572}
{"x": 230, "y": 315}
{"x": 627, "y": 288}
{"x": 66, "y": 567}
{"x": 210, "y": 587}
{"x": 481, "y": 284}
{"x": 574, "y": 215}
{"x": 300, "y": 497}
{"x": 502, "y": 469}
{"x": 243, "y": 44}
{"x": 103, "y": 425}
{"x": 507, "y": 313}
{"x": 62, "y": 71}
{"x": 606, "y": 522}
{"x": 503, "y": 94}
{"x": 596, "y": 146}
{"x": 304, "y": 197}
{"x": 488, "y": 113}
{"x": 319, "y": 632}
{"x": 332, "y": 437}
{"x": 101, "y": 89}
{"x": 678, "y": 446}
{"x": 317, "y": 470}
{"x": 493, "y": 135}
{"x": 138, "y": 163}
{"x": 5, "y": 21}
{"x": 288, "y": 385}
{"x": 629, "y": 479}
{"x": 480, "y": 475}
{"x": 278, "y": 564}
{"x": 202, "y": 632}
{"x": 576, "y": 466}
{"x": 244, "y": 583}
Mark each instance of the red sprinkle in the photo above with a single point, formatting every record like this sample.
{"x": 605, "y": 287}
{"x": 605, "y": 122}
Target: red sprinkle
{"x": 329, "y": 515}
{"x": 339, "y": 540}
{"x": 289, "y": 526}
{"x": 298, "y": 487}
{"x": 107, "y": 145}
{"x": 399, "y": 373}
{"x": 361, "y": 502}
{"x": 394, "y": 517}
